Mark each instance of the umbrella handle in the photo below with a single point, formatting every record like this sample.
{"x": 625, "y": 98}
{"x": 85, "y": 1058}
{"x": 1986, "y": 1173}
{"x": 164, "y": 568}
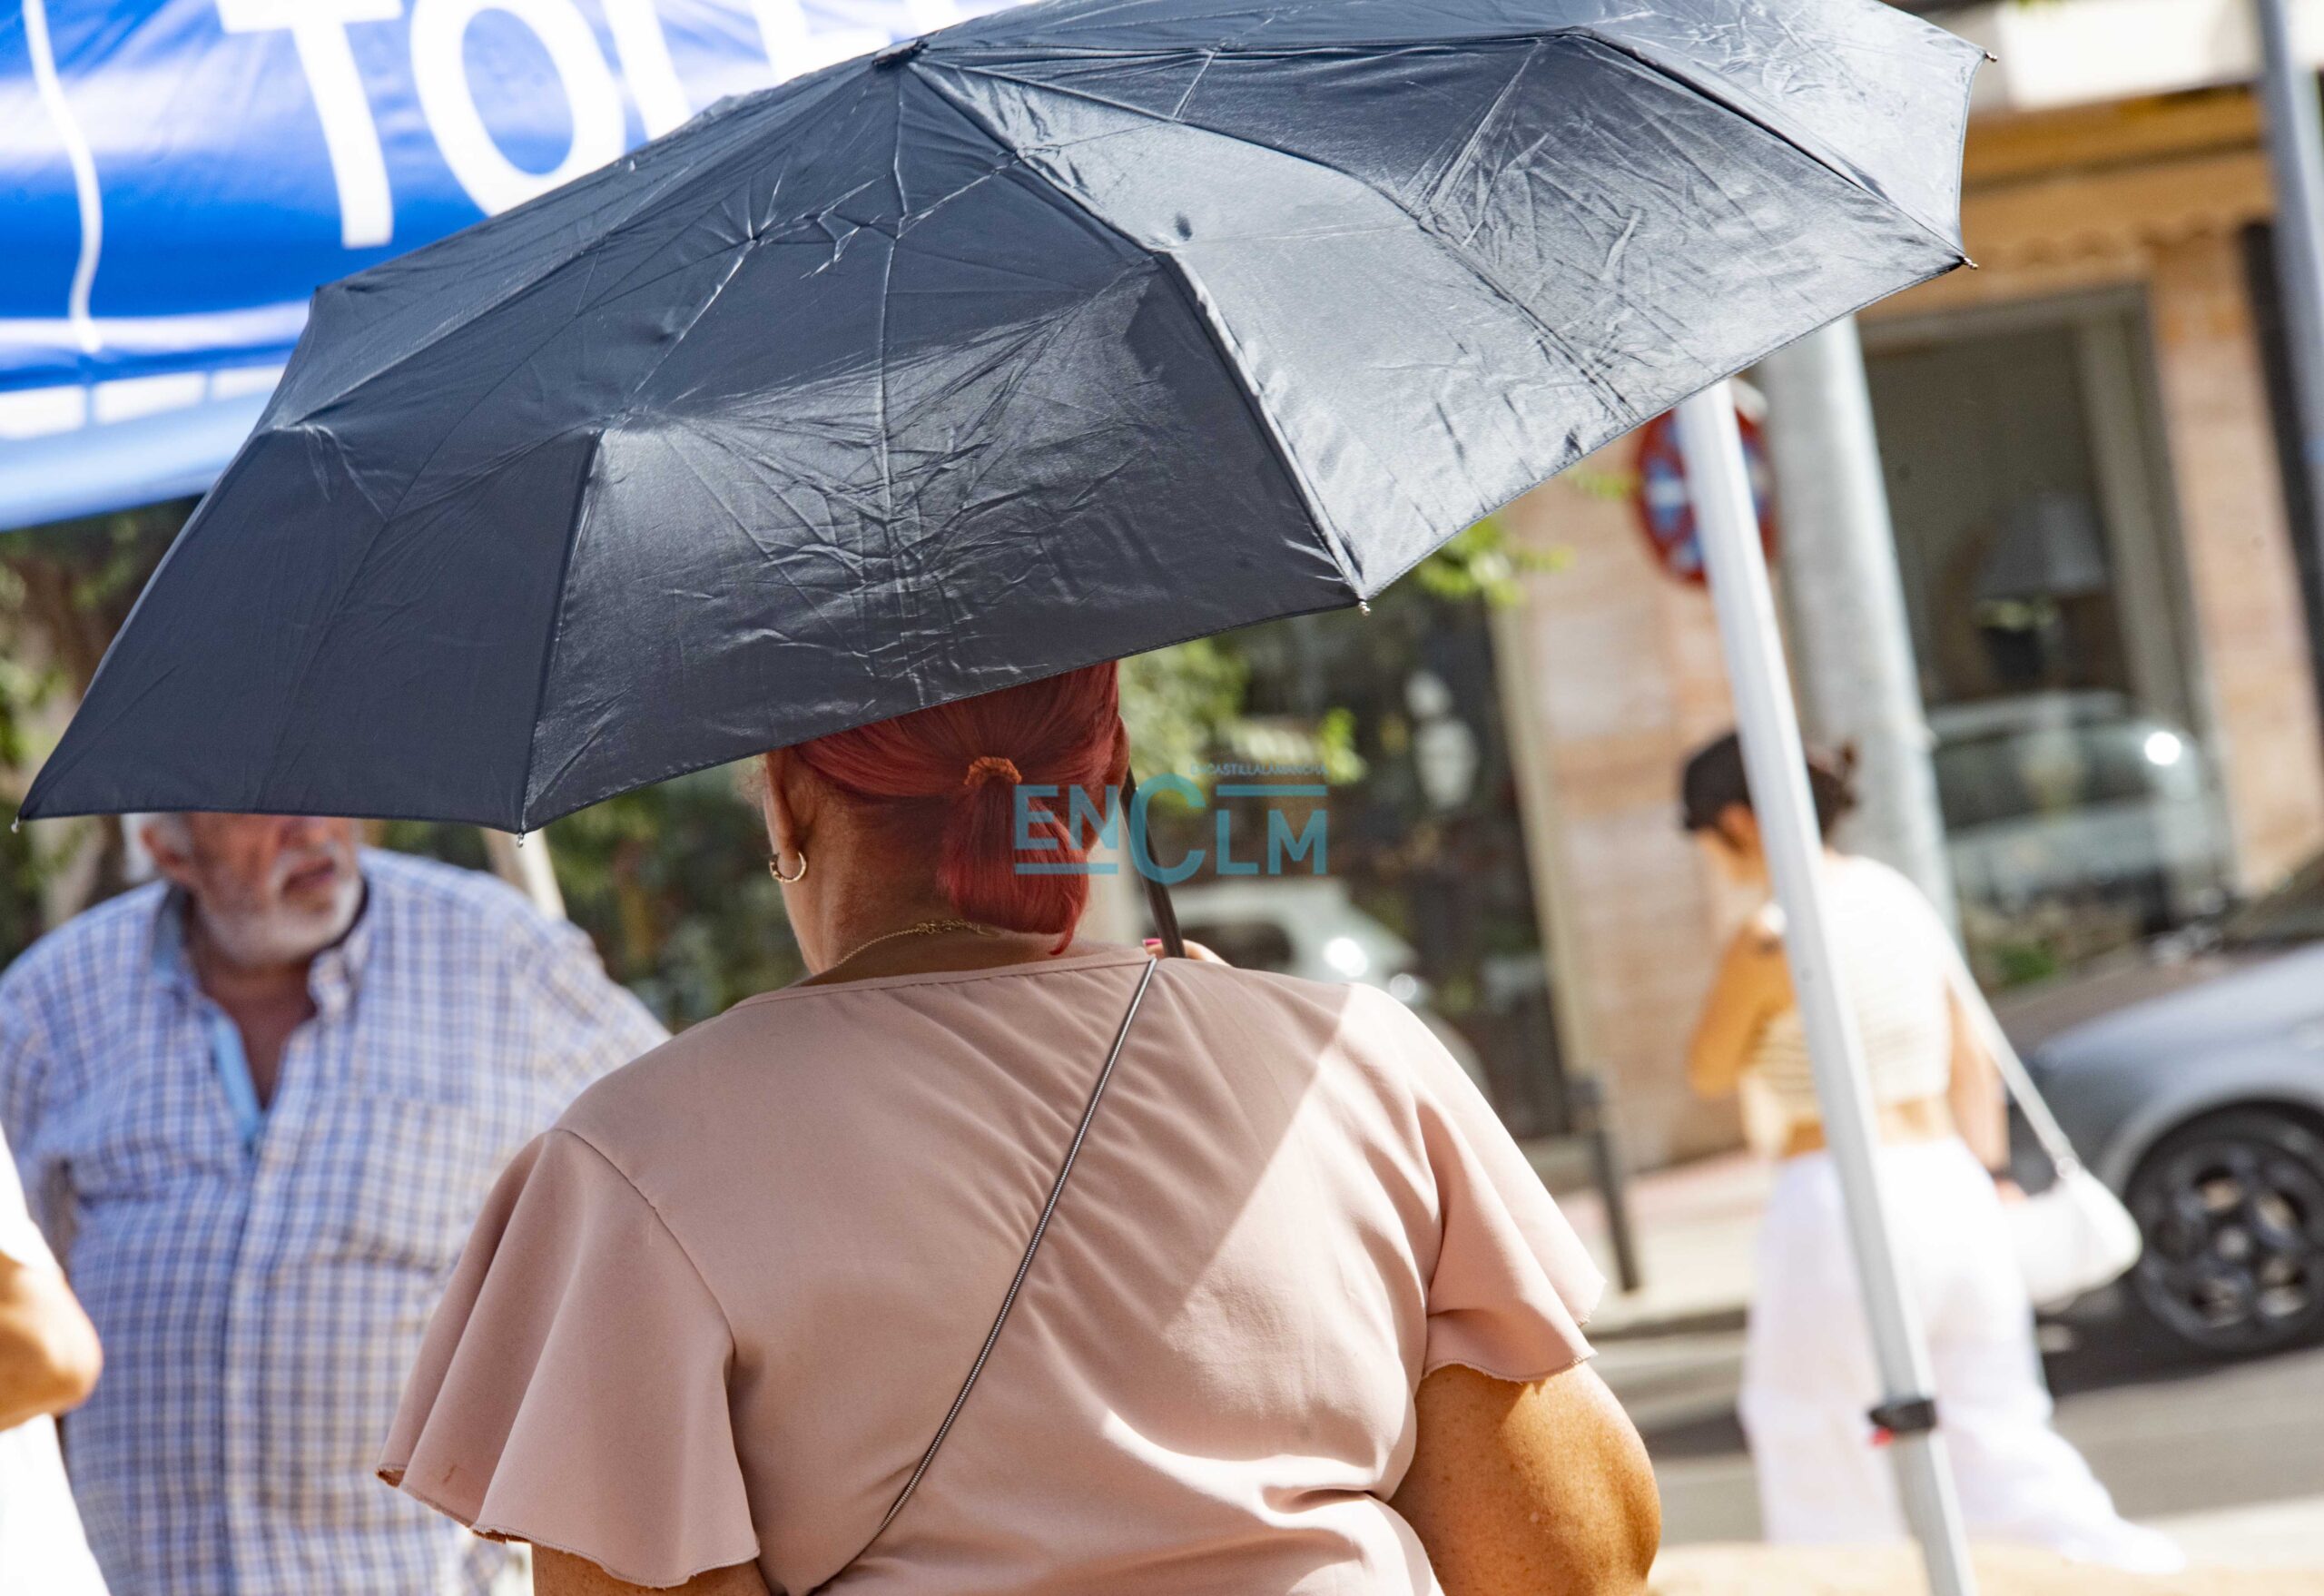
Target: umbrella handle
{"x": 1158, "y": 895}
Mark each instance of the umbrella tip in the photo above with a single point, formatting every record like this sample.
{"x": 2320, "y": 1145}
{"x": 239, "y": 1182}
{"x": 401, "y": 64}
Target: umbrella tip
{"x": 895, "y": 55}
{"x": 1363, "y": 606}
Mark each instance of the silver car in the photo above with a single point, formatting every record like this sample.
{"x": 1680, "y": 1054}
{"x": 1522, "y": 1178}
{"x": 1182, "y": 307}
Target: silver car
{"x": 2192, "y": 1080}
{"x": 2074, "y": 822}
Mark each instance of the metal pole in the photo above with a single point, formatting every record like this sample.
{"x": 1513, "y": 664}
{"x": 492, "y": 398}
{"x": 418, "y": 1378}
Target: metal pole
{"x": 2296, "y": 157}
{"x": 1585, "y": 1097}
{"x": 1858, "y": 683}
{"x": 1727, "y": 526}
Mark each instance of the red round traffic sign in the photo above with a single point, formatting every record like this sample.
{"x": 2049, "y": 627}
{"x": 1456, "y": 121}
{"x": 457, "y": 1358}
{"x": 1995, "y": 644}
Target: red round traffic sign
{"x": 1665, "y": 514}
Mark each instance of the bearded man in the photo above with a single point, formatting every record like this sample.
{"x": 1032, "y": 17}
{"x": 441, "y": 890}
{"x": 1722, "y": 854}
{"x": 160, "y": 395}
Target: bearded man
{"x": 257, "y": 1105}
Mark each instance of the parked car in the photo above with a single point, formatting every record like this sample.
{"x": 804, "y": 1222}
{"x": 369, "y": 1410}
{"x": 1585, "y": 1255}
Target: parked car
{"x": 2190, "y": 1077}
{"x": 2075, "y": 806}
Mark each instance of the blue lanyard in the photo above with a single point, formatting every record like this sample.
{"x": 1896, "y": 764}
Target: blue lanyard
{"x": 234, "y": 1066}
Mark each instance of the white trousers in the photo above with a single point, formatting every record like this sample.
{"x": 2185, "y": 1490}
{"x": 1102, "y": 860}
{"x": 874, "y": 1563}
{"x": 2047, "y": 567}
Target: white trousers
{"x": 1809, "y": 1375}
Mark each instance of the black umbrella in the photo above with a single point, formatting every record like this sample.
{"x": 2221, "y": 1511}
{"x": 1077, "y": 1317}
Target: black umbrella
{"x": 1072, "y": 331}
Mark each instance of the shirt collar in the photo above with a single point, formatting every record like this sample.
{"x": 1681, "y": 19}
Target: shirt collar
{"x": 332, "y": 979}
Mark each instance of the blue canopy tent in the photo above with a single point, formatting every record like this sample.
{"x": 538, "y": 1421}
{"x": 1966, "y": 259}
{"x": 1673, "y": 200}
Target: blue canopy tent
{"x": 181, "y": 174}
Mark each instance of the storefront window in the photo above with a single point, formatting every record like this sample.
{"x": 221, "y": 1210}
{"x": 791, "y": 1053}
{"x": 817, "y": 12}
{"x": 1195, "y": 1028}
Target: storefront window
{"x": 1428, "y": 894}
{"x": 2041, "y": 573}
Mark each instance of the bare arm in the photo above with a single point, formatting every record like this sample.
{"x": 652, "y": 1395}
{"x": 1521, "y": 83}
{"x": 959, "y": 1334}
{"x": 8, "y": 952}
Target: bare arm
{"x": 48, "y": 1349}
{"x": 1541, "y": 1489}
{"x": 559, "y": 1573}
{"x": 1753, "y": 983}
{"x": 1973, "y": 1093}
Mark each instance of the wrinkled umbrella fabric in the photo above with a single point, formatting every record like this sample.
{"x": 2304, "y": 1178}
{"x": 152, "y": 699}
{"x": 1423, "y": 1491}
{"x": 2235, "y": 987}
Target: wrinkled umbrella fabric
{"x": 1069, "y": 332}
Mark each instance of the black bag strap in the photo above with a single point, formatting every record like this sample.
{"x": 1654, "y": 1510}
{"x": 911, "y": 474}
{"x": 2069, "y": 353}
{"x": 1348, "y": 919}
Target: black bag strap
{"x": 1024, "y": 1268}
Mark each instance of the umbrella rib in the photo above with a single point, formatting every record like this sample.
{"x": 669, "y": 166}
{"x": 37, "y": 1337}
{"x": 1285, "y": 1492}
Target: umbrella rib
{"x": 320, "y": 634}
{"x": 1624, "y": 412}
{"x": 1325, "y": 533}
{"x": 1615, "y": 402}
{"x": 629, "y": 208}
{"x": 512, "y": 295}
{"x": 902, "y": 588}
{"x": 1484, "y": 120}
{"x": 574, "y": 528}
{"x": 992, "y": 61}
{"x": 1194, "y": 83}
{"x": 755, "y": 227}
{"x": 1839, "y": 166}
{"x": 740, "y": 252}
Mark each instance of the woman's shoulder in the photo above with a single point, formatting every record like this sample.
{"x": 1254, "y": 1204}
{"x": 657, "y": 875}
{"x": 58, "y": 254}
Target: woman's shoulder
{"x": 725, "y": 1064}
{"x": 683, "y": 1077}
{"x": 1349, "y": 1010}
{"x": 1363, "y": 1029}
{"x": 803, "y": 1045}
{"x": 804, "y": 1053}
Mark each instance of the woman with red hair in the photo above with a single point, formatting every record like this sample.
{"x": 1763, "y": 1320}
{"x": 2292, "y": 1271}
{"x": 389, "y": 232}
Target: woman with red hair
{"x": 989, "y": 1259}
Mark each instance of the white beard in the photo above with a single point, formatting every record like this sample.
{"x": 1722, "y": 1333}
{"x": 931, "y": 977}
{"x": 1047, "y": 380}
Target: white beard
{"x": 281, "y": 935}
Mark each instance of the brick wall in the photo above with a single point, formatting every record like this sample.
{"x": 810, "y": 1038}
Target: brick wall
{"x": 1622, "y": 679}
{"x": 2241, "y": 576}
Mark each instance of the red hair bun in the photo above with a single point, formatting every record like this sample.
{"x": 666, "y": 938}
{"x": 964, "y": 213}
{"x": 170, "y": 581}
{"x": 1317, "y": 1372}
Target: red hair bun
{"x": 1060, "y": 733}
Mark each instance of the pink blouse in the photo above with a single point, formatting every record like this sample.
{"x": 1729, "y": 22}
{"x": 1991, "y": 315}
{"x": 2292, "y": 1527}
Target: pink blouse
{"x": 717, "y": 1313}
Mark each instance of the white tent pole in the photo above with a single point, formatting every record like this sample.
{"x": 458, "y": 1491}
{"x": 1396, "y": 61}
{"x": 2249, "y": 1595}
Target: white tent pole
{"x": 526, "y": 866}
{"x": 1727, "y": 523}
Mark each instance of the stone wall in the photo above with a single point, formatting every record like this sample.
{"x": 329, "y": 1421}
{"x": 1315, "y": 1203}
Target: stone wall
{"x": 2242, "y": 575}
{"x": 2153, "y": 195}
{"x": 1621, "y": 680}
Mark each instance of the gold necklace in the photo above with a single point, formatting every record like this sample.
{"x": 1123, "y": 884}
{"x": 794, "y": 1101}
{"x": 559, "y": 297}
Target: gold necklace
{"x": 926, "y": 928}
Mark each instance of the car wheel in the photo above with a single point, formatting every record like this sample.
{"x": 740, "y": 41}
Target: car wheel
{"x": 2232, "y": 1208}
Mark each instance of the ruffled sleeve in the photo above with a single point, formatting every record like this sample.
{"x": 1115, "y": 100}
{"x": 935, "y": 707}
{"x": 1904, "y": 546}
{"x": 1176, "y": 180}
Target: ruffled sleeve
{"x": 1512, "y": 1284}
{"x": 571, "y": 1391}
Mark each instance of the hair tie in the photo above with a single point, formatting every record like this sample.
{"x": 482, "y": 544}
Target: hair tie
{"x": 989, "y": 767}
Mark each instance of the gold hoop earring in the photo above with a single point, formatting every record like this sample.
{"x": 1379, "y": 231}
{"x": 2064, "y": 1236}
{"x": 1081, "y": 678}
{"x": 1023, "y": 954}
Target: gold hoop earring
{"x": 774, "y": 868}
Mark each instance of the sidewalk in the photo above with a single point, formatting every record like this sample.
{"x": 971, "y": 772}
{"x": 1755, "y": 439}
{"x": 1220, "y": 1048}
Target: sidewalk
{"x": 1885, "y": 1571}
{"x": 1697, "y": 1227}
{"x": 2215, "y": 1455}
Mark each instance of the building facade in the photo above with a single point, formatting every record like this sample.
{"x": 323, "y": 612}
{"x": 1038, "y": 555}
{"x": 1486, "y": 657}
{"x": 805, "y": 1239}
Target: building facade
{"x": 2102, "y": 559}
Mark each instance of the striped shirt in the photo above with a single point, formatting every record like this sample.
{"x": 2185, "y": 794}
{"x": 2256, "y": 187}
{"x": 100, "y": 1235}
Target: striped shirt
{"x": 261, "y": 1301}
{"x": 1893, "y": 956}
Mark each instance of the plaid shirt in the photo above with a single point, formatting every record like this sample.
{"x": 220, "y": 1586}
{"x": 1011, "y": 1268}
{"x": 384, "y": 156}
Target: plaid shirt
{"x": 260, "y": 1305}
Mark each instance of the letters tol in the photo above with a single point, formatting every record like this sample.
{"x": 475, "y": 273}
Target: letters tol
{"x": 319, "y": 31}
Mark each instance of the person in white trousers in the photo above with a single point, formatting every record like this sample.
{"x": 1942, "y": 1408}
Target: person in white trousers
{"x": 1809, "y": 1373}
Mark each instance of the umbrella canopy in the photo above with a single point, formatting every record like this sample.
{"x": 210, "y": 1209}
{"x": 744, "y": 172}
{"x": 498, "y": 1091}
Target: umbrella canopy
{"x": 1069, "y": 332}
